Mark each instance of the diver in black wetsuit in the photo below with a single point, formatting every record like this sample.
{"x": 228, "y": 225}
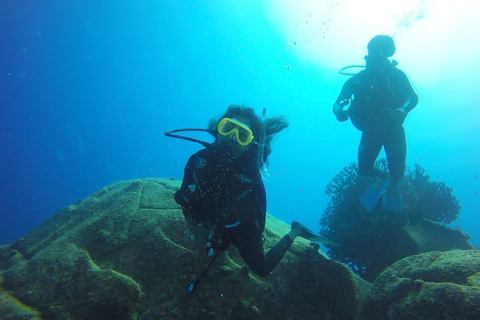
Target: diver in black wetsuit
{"x": 222, "y": 195}
{"x": 380, "y": 98}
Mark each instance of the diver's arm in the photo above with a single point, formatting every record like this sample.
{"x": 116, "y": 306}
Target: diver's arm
{"x": 252, "y": 207}
{"x": 409, "y": 92}
{"x": 191, "y": 195}
{"x": 342, "y": 101}
{"x": 185, "y": 195}
{"x": 413, "y": 101}
{"x": 397, "y": 115}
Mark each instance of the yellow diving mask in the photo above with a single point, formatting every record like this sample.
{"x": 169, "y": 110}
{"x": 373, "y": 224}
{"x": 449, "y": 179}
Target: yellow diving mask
{"x": 242, "y": 132}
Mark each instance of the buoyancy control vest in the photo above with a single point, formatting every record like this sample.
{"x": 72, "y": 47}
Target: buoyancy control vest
{"x": 374, "y": 96}
{"x": 221, "y": 193}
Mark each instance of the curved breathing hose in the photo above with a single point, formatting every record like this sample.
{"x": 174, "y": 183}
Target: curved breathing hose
{"x": 171, "y": 134}
{"x": 391, "y": 63}
{"x": 342, "y": 71}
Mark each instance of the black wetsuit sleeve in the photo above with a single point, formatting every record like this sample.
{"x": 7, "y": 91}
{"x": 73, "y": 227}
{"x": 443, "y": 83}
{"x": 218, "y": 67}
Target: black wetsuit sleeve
{"x": 188, "y": 195}
{"x": 404, "y": 88}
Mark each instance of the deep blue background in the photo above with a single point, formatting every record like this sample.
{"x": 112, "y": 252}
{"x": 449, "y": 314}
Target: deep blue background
{"x": 88, "y": 88}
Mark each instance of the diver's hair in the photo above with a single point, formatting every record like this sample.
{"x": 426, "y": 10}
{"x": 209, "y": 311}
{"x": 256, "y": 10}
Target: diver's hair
{"x": 273, "y": 125}
{"x": 381, "y": 45}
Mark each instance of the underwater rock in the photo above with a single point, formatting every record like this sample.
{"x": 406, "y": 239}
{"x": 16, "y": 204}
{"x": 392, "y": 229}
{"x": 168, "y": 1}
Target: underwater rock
{"x": 11, "y": 308}
{"x": 429, "y": 236}
{"x": 434, "y": 285}
{"x": 125, "y": 252}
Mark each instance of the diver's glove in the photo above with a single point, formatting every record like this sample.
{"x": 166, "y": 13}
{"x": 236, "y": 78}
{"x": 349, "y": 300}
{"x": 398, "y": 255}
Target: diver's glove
{"x": 342, "y": 115}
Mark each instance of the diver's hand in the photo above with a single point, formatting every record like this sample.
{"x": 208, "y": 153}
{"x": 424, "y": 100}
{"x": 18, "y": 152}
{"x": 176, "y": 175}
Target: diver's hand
{"x": 397, "y": 116}
{"x": 342, "y": 115}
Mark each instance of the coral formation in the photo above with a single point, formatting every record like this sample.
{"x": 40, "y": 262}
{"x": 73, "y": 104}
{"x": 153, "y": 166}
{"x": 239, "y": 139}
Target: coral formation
{"x": 428, "y": 199}
{"x": 370, "y": 241}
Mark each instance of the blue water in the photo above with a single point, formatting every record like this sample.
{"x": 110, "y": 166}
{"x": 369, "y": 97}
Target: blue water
{"x": 87, "y": 89}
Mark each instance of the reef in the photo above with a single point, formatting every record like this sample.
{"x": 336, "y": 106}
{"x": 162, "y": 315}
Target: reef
{"x": 125, "y": 252}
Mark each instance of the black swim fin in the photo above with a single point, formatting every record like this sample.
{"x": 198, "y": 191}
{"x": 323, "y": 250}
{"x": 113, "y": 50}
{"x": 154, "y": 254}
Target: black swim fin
{"x": 373, "y": 193}
{"x": 309, "y": 235}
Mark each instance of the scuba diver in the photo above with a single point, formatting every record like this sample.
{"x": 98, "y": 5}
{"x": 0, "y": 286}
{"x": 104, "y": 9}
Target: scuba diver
{"x": 223, "y": 196}
{"x": 380, "y": 98}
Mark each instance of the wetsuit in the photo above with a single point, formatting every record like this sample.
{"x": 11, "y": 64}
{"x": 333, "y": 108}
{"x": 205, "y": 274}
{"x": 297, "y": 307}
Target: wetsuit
{"x": 226, "y": 197}
{"x": 376, "y": 93}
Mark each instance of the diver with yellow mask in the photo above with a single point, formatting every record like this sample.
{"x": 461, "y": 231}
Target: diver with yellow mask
{"x": 239, "y": 132}
{"x": 223, "y": 196}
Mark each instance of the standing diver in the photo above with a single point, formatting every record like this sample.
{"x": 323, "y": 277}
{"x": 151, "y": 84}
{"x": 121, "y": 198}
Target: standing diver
{"x": 222, "y": 194}
{"x": 380, "y": 98}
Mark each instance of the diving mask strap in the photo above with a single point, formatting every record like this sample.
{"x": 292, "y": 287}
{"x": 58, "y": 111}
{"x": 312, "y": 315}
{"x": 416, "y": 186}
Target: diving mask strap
{"x": 171, "y": 134}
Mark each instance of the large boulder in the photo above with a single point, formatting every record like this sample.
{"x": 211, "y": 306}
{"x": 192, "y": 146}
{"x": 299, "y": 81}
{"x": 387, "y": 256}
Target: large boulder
{"x": 126, "y": 253}
{"x": 434, "y": 285}
{"x": 398, "y": 242}
{"x": 428, "y": 236}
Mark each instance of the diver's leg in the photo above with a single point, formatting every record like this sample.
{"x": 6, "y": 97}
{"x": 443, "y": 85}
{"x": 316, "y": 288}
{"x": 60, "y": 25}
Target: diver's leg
{"x": 370, "y": 146}
{"x": 396, "y": 150}
{"x": 253, "y": 254}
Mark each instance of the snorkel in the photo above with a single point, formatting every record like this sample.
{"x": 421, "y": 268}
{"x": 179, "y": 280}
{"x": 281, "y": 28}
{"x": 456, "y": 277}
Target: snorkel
{"x": 261, "y": 144}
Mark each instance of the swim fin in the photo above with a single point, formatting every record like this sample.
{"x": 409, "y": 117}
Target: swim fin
{"x": 373, "y": 193}
{"x": 309, "y": 235}
{"x": 393, "y": 201}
